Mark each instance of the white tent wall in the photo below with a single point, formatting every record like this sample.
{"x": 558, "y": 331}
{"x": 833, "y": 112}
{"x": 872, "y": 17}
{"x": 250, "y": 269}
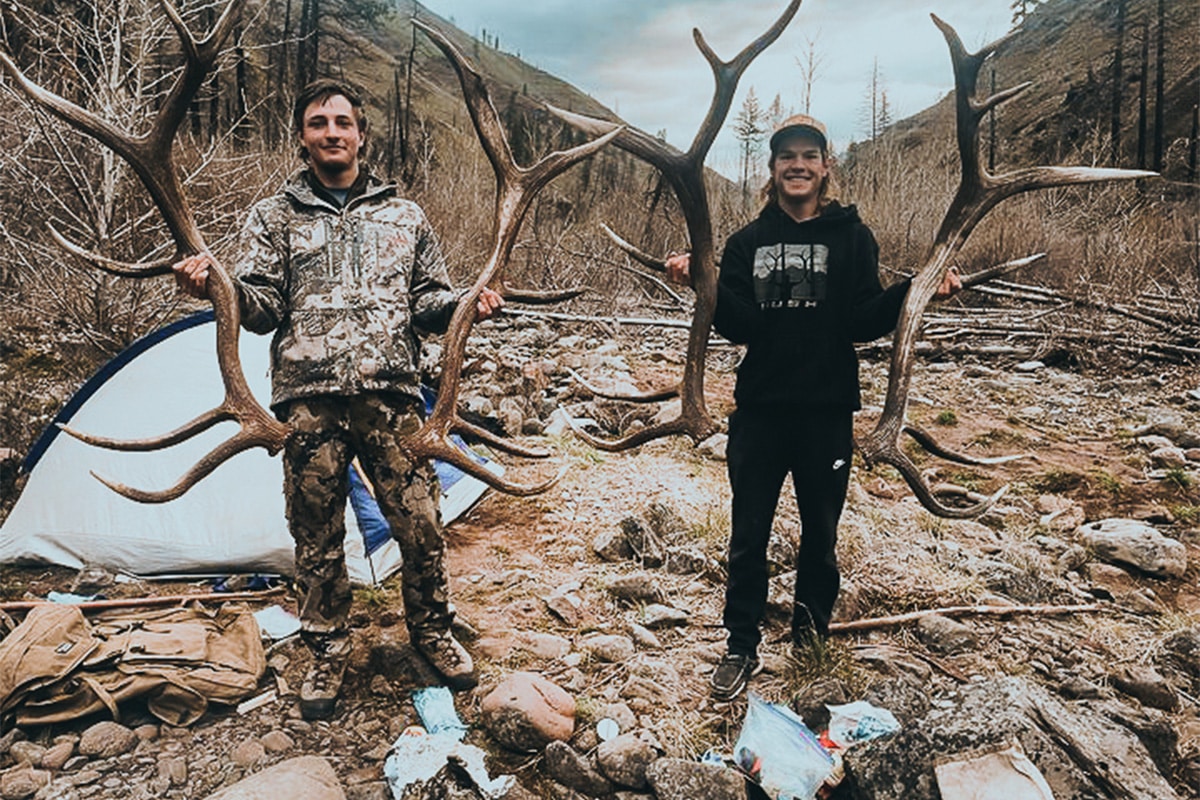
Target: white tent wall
{"x": 231, "y": 521}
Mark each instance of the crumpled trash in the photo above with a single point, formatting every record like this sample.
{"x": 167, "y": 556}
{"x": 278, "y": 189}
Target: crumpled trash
{"x": 277, "y": 623}
{"x": 996, "y": 773}
{"x": 72, "y": 599}
{"x": 778, "y": 751}
{"x": 419, "y": 755}
{"x": 859, "y": 721}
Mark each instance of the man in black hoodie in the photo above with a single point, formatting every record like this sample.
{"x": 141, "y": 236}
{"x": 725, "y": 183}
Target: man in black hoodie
{"x": 798, "y": 286}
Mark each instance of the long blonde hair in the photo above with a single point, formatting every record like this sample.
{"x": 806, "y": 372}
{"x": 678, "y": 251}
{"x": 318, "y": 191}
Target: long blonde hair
{"x": 825, "y": 195}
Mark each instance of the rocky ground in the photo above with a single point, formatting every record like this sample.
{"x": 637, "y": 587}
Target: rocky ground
{"x": 609, "y": 586}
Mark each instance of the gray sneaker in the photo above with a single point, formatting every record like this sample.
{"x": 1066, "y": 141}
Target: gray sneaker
{"x": 323, "y": 681}
{"x": 448, "y": 657}
{"x": 732, "y": 675}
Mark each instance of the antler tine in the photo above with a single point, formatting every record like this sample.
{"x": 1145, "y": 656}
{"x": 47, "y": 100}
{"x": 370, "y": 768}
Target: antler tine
{"x": 681, "y": 425}
{"x": 727, "y": 74}
{"x": 651, "y": 397}
{"x": 923, "y": 438}
{"x": 180, "y": 434}
{"x": 516, "y": 188}
{"x": 444, "y": 451}
{"x": 978, "y": 193}
{"x": 151, "y": 157}
{"x": 237, "y": 443}
{"x": 120, "y": 268}
{"x": 637, "y": 254}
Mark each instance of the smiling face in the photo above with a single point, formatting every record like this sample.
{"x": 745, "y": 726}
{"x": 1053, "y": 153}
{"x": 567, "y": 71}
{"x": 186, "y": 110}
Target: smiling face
{"x": 331, "y": 135}
{"x": 799, "y": 168}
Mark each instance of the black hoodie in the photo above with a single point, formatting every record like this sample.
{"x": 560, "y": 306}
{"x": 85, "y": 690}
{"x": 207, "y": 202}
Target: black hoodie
{"x": 799, "y": 294}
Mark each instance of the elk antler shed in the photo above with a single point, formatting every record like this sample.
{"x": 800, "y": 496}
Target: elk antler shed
{"x": 152, "y": 157}
{"x": 978, "y": 193}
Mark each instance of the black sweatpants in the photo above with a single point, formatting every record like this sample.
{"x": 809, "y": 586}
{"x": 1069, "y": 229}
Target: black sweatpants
{"x": 814, "y": 445}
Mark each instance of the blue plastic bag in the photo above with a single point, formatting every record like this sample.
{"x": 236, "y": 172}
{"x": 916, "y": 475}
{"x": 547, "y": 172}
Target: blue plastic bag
{"x": 778, "y": 751}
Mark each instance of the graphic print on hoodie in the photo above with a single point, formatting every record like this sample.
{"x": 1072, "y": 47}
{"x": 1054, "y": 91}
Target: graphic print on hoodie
{"x": 791, "y": 275}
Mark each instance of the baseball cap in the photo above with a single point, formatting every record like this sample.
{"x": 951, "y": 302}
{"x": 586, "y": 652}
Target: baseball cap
{"x": 800, "y": 124}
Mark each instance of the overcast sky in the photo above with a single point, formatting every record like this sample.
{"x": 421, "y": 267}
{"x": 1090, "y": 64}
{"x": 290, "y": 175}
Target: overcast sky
{"x": 638, "y": 58}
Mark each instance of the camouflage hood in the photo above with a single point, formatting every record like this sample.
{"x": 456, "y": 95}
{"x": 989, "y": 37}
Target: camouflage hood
{"x": 345, "y": 289}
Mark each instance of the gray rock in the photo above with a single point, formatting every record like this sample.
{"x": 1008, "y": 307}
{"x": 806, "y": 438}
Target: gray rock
{"x": 621, "y": 714}
{"x": 657, "y": 615}
{"x": 310, "y": 777}
{"x": 647, "y": 546}
{"x": 811, "y": 701}
{"x": 22, "y": 782}
{"x": 679, "y": 779}
{"x": 665, "y": 521}
{"x": 714, "y": 447}
{"x": 27, "y": 753}
{"x": 1181, "y": 652}
{"x": 639, "y": 587}
{"x": 1127, "y": 541}
{"x": 571, "y": 769}
{"x": 945, "y": 635}
{"x": 248, "y": 753}
{"x": 277, "y": 742}
{"x": 544, "y": 645}
{"x": 686, "y": 561}
{"x": 1168, "y": 458}
{"x": 612, "y": 545}
{"x": 623, "y": 760}
{"x": 611, "y": 648}
{"x": 107, "y": 739}
{"x": 1146, "y": 684}
{"x": 644, "y": 637}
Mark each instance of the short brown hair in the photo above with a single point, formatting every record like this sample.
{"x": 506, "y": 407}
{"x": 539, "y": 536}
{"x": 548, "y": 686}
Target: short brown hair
{"x": 321, "y": 90}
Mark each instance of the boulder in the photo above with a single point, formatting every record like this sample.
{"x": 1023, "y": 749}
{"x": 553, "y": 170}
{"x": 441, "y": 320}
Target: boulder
{"x": 680, "y": 779}
{"x": 624, "y": 760}
{"x": 310, "y": 777}
{"x": 1127, "y": 541}
{"x": 528, "y": 711}
{"x": 1082, "y": 751}
{"x": 570, "y": 768}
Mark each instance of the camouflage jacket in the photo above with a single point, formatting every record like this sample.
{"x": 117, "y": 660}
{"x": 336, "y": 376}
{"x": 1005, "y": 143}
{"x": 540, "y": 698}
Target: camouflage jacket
{"x": 345, "y": 290}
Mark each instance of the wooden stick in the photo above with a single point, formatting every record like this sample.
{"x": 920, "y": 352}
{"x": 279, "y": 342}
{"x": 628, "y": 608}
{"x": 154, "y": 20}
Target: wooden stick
{"x": 143, "y": 602}
{"x": 956, "y": 611}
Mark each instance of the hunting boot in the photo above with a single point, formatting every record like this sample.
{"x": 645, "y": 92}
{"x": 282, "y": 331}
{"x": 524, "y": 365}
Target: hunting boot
{"x": 448, "y": 657}
{"x": 323, "y": 681}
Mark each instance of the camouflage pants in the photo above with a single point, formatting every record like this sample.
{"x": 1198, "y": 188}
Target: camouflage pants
{"x": 329, "y": 432}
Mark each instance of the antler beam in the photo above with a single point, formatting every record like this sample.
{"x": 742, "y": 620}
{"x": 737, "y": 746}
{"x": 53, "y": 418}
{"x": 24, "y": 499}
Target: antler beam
{"x": 152, "y": 158}
{"x": 516, "y": 188}
{"x": 978, "y": 193}
{"x": 685, "y": 173}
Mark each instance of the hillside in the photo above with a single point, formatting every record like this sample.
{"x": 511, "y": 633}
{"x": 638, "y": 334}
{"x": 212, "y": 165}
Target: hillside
{"x": 1065, "y": 49}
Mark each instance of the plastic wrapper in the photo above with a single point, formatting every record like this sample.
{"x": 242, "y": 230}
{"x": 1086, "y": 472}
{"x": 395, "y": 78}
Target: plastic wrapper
{"x": 859, "y": 721}
{"x": 778, "y": 751}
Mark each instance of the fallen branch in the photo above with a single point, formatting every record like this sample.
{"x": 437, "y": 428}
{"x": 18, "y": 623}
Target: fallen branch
{"x": 143, "y": 602}
{"x": 957, "y": 611}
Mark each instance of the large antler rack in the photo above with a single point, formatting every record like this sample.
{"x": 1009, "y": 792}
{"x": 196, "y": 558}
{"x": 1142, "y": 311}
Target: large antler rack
{"x": 152, "y": 158}
{"x": 516, "y": 188}
{"x": 685, "y": 173}
{"x": 978, "y": 193}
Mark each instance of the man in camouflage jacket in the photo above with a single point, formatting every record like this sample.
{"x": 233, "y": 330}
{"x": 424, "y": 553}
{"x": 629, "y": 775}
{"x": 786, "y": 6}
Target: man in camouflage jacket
{"x": 347, "y": 273}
